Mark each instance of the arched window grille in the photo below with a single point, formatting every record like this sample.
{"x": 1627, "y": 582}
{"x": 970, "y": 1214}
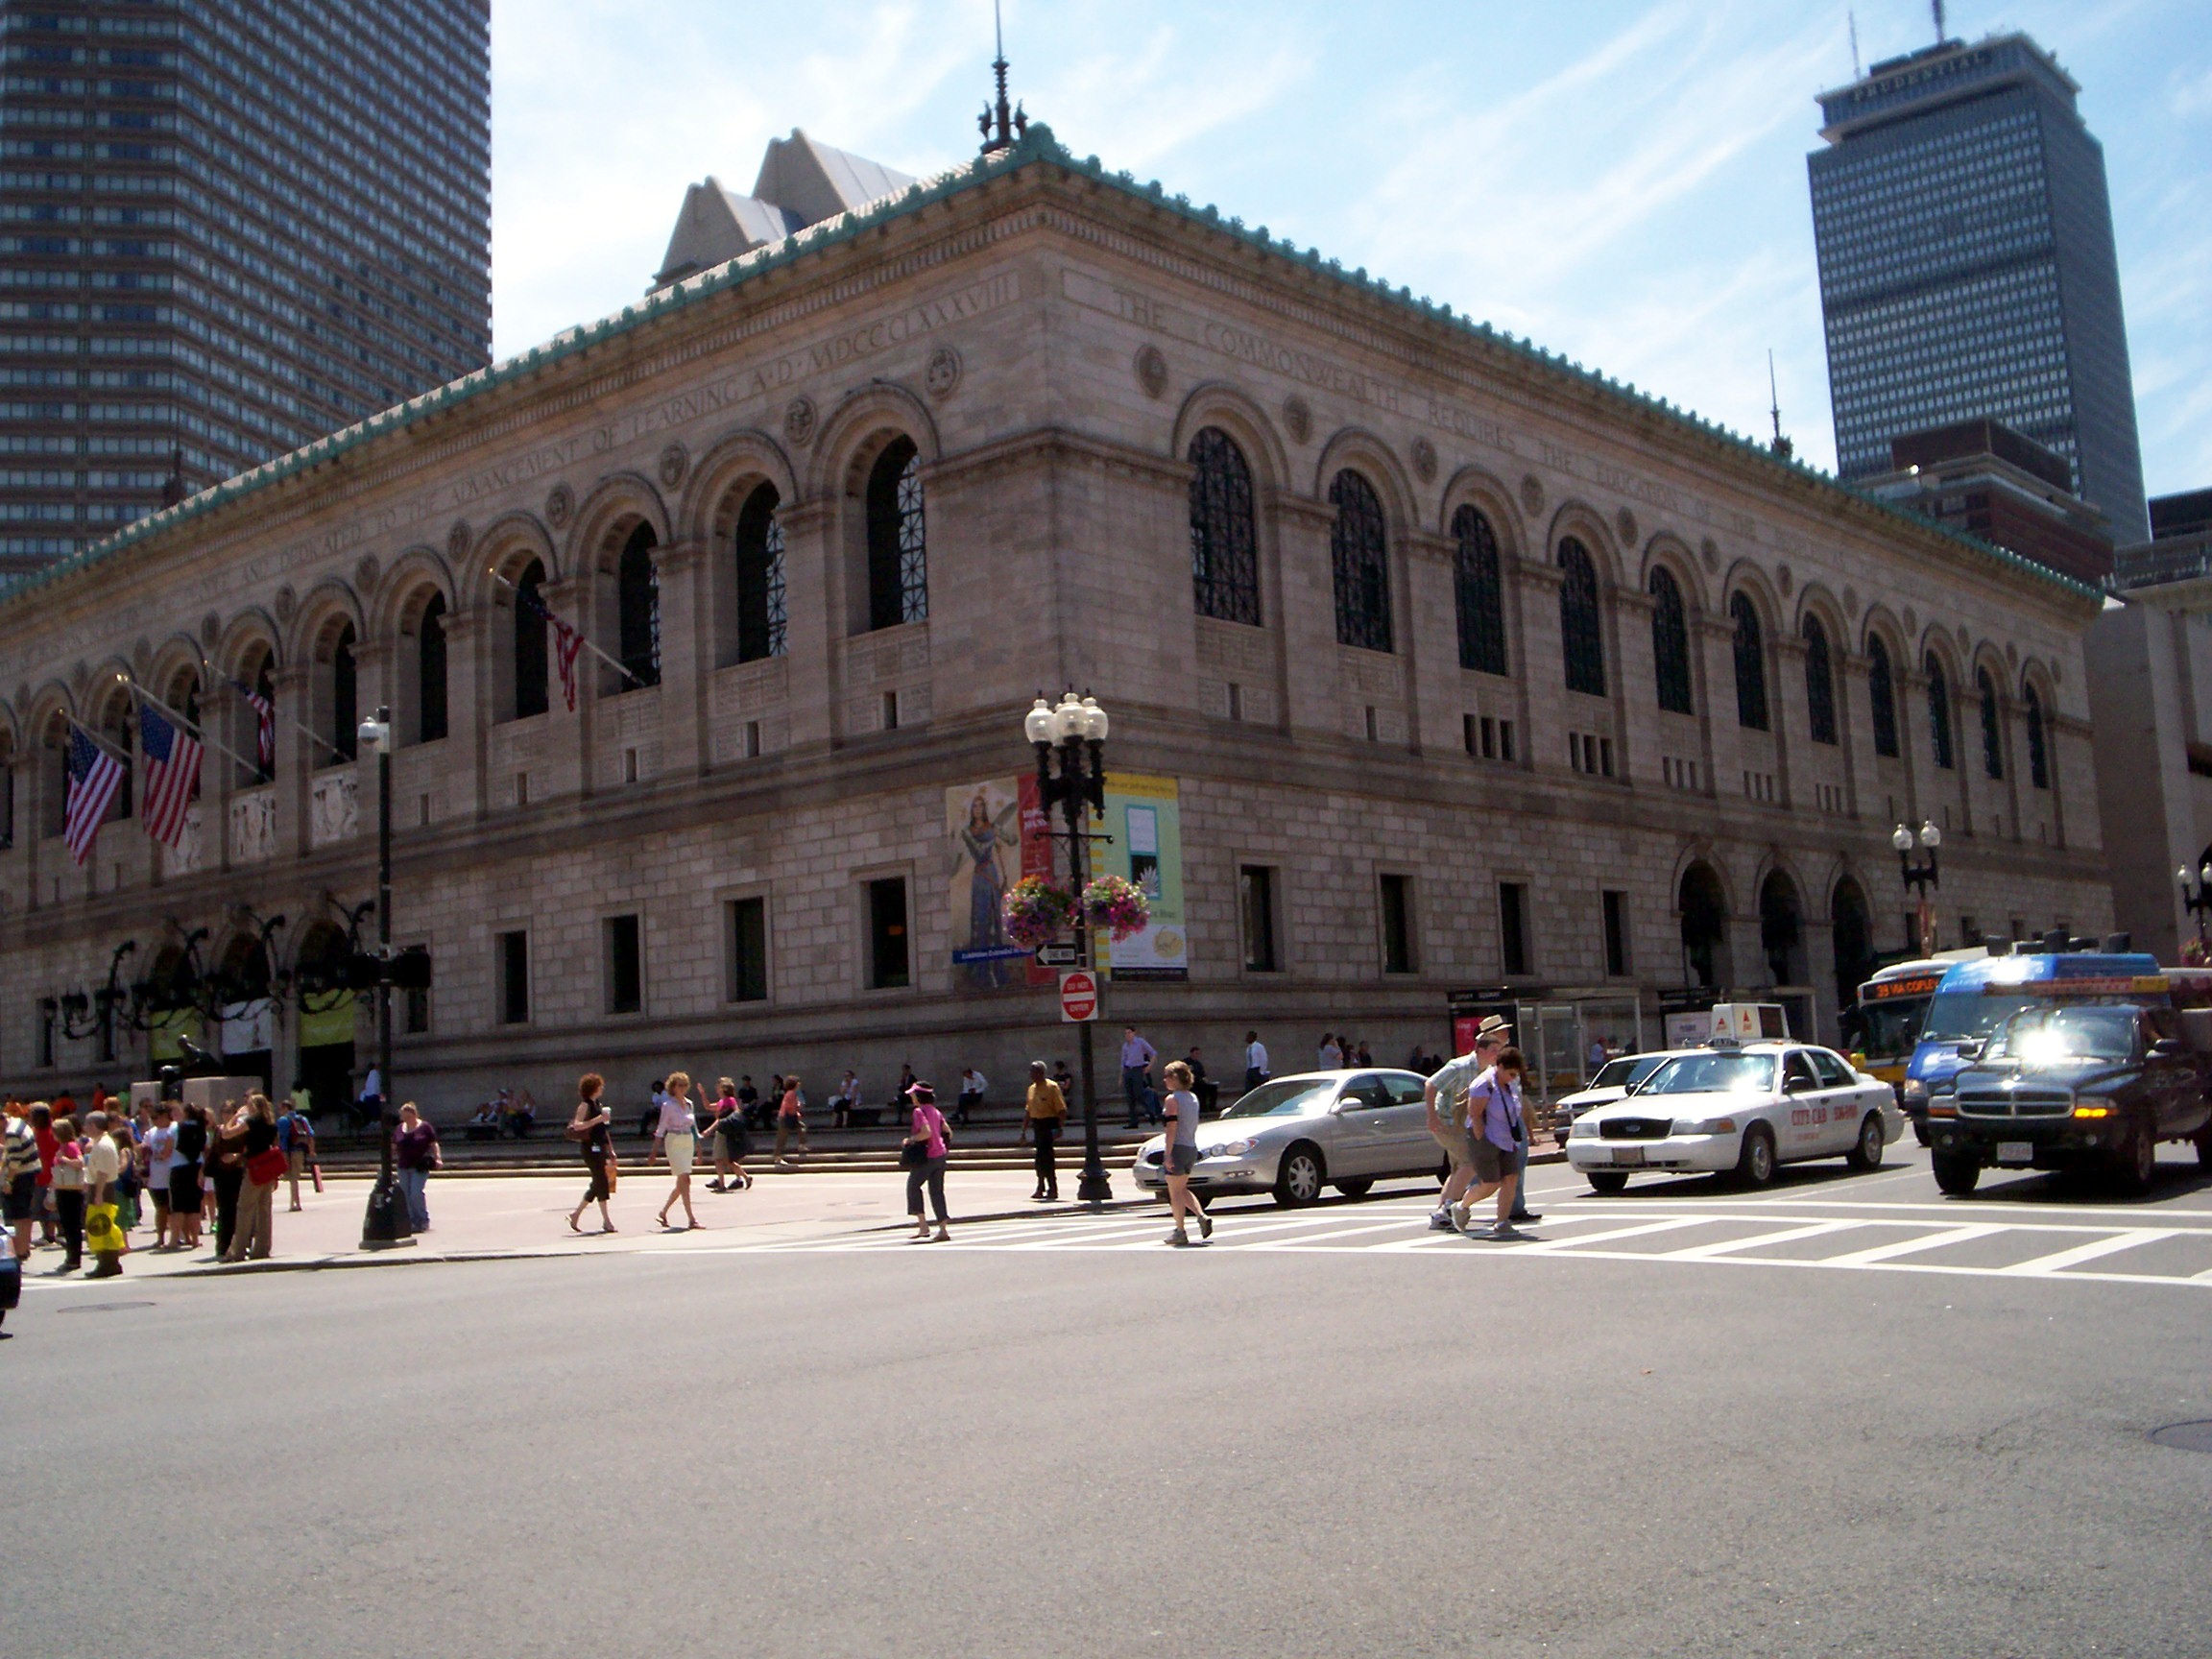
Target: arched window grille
{"x": 345, "y": 697}
{"x": 430, "y": 671}
{"x": 1224, "y": 562}
{"x": 1938, "y": 715}
{"x": 529, "y": 661}
{"x": 2038, "y": 755}
{"x": 1581, "y": 632}
{"x": 1359, "y": 551}
{"x": 1882, "y": 692}
{"x": 761, "y": 613}
{"x": 1670, "y": 643}
{"x": 637, "y": 611}
{"x": 1479, "y": 591}
{"x": 1992, "y": 733}
{"x": 1819, "y": 683}
{"x": 1751, "y": 664}
{"x": 897, "y": 538}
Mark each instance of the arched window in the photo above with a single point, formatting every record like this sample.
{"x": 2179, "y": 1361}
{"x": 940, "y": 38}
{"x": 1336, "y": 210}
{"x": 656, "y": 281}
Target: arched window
{"x": 1938, "y": 715}
{"x": 529, "y": 658}
{"x": 2038, "y": 755}
{"x": 1704, "y": 908}
{"x": 430, "y": 671}
{"x": 345, "y": 735}
{"x": 1882, "y": 691}
{"x": 897, "y": 538}
{"x": 1224, "y": 565}
{"x": 1819, "y": 683}
{"x": 1581, "y": 633}
{"x": 637, "y": 611}
{"x": 1851, "y": 934}
{"x": 1669, "y": 642}
{"x": 1992, "y": 735}
{"x": 120, "y": 727}
{"x": 6, "y": 794}
{"x": 761, "y": 613}
{"x": 1781, "y": 930}
{"x": 253, "y": 717}
{"x": 1359, "y": 555}
{"x": 1479, "y": 591}
{"x": 1751, "y": 664}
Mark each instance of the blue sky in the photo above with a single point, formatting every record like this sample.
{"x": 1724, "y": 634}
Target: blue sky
{"x": 1624, "y": 181}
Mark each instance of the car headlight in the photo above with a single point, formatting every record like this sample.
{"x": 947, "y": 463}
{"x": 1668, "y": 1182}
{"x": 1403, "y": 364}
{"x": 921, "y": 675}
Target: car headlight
{"x": 1707, "y": 1126}
{"x": 1915, "y": 1091}
{"x": 1228, "y": 1149}
{"x": 1585, "y": 1128}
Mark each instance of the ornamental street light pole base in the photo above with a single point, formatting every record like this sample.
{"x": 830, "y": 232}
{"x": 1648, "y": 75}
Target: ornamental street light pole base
{"x": 1095, "y": 1186}
{"x": 386, "y": 1226}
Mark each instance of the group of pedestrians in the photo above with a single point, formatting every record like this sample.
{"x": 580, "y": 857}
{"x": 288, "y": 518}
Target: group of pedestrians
{"x": 1474, "y": 1114}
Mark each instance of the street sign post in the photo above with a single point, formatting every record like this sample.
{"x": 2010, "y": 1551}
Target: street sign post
{"x": 1078, "y": 996}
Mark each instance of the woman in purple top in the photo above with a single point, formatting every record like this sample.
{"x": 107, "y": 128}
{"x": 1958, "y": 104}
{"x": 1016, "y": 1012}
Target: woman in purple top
{"x": 1494, "y": 1115}
{"x": 415, "y": 1154}
{"x": 927, "y": 1133}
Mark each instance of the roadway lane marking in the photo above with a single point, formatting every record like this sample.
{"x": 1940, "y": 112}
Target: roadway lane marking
{"x": 1322, "y": 1241}
{"x": 1760, "y": 1241}
{"x": 2059, "y": 1260}
{"x": 1668, "y": 1224}
{"x": 1907, "y": 1246}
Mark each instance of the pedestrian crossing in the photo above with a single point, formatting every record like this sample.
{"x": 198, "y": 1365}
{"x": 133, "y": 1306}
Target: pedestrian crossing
{"x": 2126, "y": 1247}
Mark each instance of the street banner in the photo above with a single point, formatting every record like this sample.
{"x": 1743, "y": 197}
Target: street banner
{"x": 246, "y": 1028}
{"x": 321, "y": 1027}
{"x": 994, "y": 836}
{"x": 1144, "y": 816}
{"x": 163, "y": 1030}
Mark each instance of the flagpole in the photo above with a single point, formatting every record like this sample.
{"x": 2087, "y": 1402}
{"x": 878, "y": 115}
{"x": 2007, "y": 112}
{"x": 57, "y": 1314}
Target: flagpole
{"x": 120, "y": 757}
{"x": 582, "y": 639}
{"x": 276, "y": 713}
{"x": 197, "y": 732}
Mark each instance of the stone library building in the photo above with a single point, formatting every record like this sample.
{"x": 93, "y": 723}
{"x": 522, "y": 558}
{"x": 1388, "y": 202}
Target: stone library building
{"x": 1439, "y": 669}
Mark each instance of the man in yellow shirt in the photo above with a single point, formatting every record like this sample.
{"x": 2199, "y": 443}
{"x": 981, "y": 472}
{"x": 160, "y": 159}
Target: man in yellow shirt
{"x": 1044, "y": 1115}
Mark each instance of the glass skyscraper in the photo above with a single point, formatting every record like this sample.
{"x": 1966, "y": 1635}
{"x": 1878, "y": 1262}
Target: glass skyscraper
{"x": 227, "y": 227}
{"x": 1968, "y": 267}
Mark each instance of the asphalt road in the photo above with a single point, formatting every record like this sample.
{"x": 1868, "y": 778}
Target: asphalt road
{"x": 1326, "y": 1434}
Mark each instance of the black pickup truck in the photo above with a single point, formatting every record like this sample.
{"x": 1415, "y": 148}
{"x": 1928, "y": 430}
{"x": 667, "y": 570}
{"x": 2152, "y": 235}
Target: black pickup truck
{"x": 2079, "y": 1088}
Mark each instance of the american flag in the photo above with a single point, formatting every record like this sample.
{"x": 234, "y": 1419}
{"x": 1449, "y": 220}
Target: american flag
{"x": 265, "y": 731}
{"x": 94, "y": 777}
{"x": 172, "y": 775}
{"x": 566, "y": 641}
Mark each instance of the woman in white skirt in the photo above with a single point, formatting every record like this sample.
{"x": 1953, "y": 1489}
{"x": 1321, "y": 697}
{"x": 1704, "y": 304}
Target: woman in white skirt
{"x": 678, "y": 1135}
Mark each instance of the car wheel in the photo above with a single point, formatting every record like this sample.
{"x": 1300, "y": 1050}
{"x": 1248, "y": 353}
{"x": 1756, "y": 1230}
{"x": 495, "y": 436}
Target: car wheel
{"x": 1756, "y": 1163}
{"x": 1919, "y": 1131}
{"x": 1301, "y": 1176}
{"x": 1956, "y": 1175}
{"x": 1607, "y": 1181}
{"x": 1358, "y": 1189}
{"x": 1867, "y": 1153}
{"x": 2135, "y": 1165}
{"x": 2205, "y": 1147}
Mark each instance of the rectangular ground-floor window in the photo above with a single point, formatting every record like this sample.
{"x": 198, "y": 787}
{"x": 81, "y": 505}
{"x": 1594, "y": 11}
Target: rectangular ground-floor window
{"x": 1515, "y": 948}
{"x": 887, "y": 943}
{"x": 1255, "y": 900}
{"x": 513, "y": 967}
{"x": 749, "y": 950}
{"x": 625, "y": 966}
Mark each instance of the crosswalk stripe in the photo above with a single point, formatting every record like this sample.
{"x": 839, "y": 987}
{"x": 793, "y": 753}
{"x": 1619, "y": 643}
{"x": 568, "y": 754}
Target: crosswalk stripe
{"x": 2089, "y": 1252}
{"x": 1666, "y": 1224}
{"x": 1760, "y": 1241}
{"x": 1320, "y": 1240}
{"x": 1909, "y": 1246}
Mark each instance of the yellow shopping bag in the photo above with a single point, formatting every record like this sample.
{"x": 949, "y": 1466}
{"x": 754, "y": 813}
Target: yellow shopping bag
{"x": 103, "y": 1237}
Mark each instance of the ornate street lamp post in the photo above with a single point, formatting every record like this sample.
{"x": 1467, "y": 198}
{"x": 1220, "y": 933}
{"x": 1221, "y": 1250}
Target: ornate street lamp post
{"x": 386, "y": 1223}
{"x": 2196, "y": 895}
{"x": 1919, "y": 877}
{"x": 1078, "y": 729}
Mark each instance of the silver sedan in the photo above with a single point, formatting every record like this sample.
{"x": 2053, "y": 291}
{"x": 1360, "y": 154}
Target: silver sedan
{"x": 1294, "y": 1136}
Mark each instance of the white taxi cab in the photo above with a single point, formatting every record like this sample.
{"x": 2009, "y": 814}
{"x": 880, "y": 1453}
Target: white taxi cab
{"x": 1737, "y": 1111}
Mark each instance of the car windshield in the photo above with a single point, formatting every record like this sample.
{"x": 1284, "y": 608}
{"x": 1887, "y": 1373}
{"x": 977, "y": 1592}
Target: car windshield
{"x": 1713, "y": 1074}
{"x": 1961, "y": 1016}
{"x": 1620, "y": 1074}
{"x": 1888, "y": 1028}
{"x": 2068, "y": 1034}
{"x": 1290, "y": 1097}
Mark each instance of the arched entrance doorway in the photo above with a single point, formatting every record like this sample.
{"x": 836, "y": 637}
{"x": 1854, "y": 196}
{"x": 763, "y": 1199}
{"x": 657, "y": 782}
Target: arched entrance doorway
{"x": 1852, "y": 927}
{"x": 1781, "y": 930}
{"x": 1704, "y": 908}
{"x": 327, "y": 1008}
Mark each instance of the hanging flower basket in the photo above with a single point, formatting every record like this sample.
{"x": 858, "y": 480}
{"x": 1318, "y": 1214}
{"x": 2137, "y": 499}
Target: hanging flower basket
{"x": 1035, "y": 911}
{"x": 1116, "y": 906}
{"x": 2194, "y": 953}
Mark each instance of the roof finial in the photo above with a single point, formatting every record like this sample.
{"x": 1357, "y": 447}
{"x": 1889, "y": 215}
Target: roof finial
{"x": 1937, "y": 5}
{"x": 1781, "y": 446}
{"x": 999, "y": 122}
{"x": 1857, "y": 73}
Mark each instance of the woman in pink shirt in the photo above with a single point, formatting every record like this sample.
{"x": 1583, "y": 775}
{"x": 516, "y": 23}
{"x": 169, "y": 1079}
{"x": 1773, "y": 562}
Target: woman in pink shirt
{"x": 923, "y": 1159}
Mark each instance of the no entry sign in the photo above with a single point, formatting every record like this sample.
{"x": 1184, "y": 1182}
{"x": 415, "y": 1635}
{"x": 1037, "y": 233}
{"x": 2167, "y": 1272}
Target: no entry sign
{"x": 1078, "y": 996}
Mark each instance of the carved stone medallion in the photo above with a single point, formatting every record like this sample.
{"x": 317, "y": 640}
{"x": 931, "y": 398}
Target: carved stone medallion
{"x": 1297, "y": 419}
{"x": 559, "y": 506}
{"x": 1151, "y": 371}
{"x": 942, "y": 374}
{"x": 365, "y": 574}
{"x": 675, "y": 462}
{"x": 1424, "y": 460}
{"x": 287, "y": 604}
{"x": 1784, "y": 579}
{"x": 798, "y": 422}
{"x": 210, "y": 630}
{"x": 458, "y": 540}
{"x": 1532, "y": 495}
{"x": 1624, "y": 526}
{"x": 1709, "y": 550}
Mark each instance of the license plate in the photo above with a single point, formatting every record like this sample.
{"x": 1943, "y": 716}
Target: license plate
{"x": 2015, "y": 1151}
{"x": 1628, "y": 1154}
